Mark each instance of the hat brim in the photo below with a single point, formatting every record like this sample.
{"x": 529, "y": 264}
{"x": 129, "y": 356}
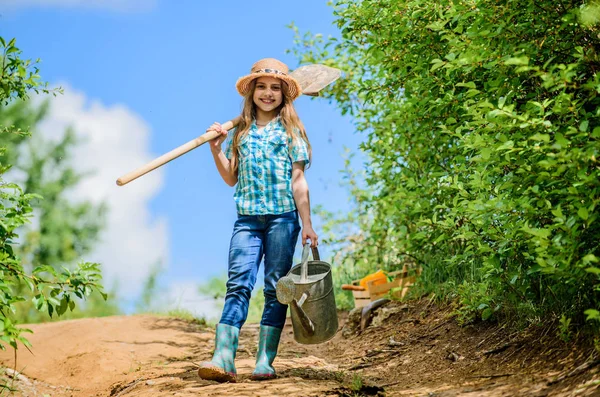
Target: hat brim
{"x": 293, "y": 87}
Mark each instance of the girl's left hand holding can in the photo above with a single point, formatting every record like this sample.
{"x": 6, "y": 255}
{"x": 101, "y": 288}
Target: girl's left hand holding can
{"x": 308, "y": 233}
{"x": 215, "y": 144}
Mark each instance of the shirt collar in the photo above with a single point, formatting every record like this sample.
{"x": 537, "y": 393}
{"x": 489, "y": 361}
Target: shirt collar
{"x": 276, "y": 120}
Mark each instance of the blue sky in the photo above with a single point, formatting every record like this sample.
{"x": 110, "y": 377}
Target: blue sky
{"x": 143, "y": 77}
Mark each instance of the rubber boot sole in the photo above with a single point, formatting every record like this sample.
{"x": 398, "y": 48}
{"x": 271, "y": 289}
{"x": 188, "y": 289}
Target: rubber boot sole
{"x": 263, "y": 376}
{"x": 218, "y": 374}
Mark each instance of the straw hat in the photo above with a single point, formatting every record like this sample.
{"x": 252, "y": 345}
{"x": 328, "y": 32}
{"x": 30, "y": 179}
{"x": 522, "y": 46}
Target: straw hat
{"x": 270, "y": 67}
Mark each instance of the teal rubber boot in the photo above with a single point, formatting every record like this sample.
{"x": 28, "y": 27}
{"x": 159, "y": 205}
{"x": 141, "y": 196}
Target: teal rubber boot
{"x": 222, "y": 367}
{"x": 268, "y": 341}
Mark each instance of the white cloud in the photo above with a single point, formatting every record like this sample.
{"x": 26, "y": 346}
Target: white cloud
{"x": 111, "y": 5}
{"x": 114, "y": 141}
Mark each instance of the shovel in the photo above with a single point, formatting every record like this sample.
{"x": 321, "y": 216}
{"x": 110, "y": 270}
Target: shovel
{"x": 312, "y": 79}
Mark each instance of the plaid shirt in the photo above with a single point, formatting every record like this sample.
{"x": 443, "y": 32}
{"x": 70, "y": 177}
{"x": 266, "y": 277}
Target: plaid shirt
{"x": 265, "y": 169}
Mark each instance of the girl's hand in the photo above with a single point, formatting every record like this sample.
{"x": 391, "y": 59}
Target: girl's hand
{"x": 215, "y": 144}
{"x": 309, "y": 233}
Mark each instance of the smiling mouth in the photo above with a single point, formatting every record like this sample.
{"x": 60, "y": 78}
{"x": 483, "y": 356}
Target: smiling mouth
{"x": 268, "y": 101}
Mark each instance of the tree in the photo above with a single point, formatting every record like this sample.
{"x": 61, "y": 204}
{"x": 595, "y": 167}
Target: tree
{"x": 483, "y": 132}
{"x": 64, "y": 231}
{"x": 53, "y": 290}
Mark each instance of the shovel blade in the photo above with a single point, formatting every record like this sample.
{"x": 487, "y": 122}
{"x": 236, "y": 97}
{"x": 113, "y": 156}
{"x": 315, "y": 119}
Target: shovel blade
{"x": 313, "y": 78}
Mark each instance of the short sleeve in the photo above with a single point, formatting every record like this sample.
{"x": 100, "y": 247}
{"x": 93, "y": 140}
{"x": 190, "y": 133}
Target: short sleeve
{"x": 299, "y": 149}
{"x": 229, "y": 143}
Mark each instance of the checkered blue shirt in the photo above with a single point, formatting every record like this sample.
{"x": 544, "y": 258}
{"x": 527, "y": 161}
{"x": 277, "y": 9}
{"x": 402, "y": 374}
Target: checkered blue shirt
{"x": 265, "y": 169}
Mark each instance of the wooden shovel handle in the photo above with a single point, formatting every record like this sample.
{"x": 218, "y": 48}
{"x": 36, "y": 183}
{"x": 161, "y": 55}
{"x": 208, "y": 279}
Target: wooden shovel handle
{"x": 349, "y": 287}
{"x": 173, "y": 154}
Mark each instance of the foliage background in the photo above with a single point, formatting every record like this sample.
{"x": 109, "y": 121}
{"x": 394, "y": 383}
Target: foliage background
{"x": 482, "y": 123}
{"x": 36, "y": 272}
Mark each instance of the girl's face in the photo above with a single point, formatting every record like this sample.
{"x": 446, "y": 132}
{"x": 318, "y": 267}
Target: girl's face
{"x": 268, "y": 94}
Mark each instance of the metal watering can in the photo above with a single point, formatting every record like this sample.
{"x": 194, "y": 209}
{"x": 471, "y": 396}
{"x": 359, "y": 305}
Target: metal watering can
{"x": 308, "y": 289}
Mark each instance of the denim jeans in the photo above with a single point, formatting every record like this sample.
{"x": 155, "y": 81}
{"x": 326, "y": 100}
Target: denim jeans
{"x": 255, "y": 236}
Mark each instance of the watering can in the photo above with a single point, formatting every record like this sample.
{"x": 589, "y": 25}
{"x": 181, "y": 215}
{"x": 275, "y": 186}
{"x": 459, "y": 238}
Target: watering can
{"x": 308, "y": 289}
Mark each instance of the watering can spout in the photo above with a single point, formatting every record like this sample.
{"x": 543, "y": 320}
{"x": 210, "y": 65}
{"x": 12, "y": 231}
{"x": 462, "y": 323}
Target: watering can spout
{"x": 307, "y": 324}
{"x": 286, "y": 291}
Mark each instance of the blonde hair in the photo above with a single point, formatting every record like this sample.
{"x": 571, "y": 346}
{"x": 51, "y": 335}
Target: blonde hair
{"x": 289, "y": 118}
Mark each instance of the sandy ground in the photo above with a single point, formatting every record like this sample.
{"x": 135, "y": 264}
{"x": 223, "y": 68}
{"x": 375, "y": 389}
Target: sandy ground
{"x": 146, "y": 356}
{"x": 398, "y": 355}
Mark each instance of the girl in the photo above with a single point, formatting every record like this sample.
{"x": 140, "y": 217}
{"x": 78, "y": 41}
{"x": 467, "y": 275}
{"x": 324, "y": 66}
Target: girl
{"x": 265, "y": 155}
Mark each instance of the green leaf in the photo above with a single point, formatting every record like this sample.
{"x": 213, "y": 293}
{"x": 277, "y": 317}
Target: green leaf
{"x": 592, "y": 314}
{"x": 62, "y": 308}
{"x": 506, "y": 145}
{"x": 583, "y": 213}
{"x": 486, "y": 153}
{"x": 38, "y": 301}
{"x": 24, "y": 341}
{"x": 53, "y": 301}
{"x": 486, "y": 314}
{"x": 469, "y": 84}
{"x": 540, "y": 137}
{"x": 437, "y": 65}
{"x": 522, "y": 60}
{"x": 437, "y": 25}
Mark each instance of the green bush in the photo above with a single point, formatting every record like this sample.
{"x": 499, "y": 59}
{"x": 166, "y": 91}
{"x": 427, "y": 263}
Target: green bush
{"x": 482, "y": 130}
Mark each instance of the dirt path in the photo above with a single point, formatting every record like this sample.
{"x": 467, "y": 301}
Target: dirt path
{"x": 150, "y": 356}
{"x": 399, "y": 355}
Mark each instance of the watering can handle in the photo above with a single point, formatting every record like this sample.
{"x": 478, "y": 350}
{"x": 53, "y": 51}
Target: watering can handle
{"x": 315, "y": 253}
{"x": 304, "y": 262}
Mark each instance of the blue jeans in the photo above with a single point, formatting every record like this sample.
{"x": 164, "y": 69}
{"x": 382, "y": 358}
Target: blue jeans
{"x": 255, "y": 236}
